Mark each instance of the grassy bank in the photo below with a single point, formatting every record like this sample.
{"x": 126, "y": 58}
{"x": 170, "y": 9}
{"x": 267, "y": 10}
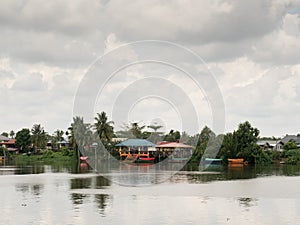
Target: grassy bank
{"x": 45, "y": 156}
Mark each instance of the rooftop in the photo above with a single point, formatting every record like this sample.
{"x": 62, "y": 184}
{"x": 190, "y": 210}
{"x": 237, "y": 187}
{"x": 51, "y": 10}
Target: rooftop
{"x": 136, "y": 142}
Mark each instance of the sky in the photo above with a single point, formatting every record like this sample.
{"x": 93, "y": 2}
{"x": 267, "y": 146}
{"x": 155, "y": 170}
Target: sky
{"x": 215, "y": 63}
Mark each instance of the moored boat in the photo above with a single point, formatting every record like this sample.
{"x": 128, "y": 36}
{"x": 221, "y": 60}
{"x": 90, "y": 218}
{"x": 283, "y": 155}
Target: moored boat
{"x": 213, "y": 161}
{"x": 145, "y": 160}
{"x": 236, "y": 161}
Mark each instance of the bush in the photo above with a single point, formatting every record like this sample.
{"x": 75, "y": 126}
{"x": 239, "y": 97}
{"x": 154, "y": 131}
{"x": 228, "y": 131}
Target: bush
{"x": 48, "y": 154}
{"x": 293, "y": 156}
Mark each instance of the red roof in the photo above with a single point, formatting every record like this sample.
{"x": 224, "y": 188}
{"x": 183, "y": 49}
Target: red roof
{"x": 173, "y": 145}
{"x": 10, "y": 141}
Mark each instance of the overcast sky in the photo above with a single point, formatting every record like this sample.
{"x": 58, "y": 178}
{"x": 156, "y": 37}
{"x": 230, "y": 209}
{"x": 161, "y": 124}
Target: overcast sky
{"x": 251, "y": 48}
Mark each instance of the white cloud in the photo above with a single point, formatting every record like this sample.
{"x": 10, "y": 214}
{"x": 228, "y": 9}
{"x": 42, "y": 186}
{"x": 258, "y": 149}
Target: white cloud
{"x": 252, "y": 48}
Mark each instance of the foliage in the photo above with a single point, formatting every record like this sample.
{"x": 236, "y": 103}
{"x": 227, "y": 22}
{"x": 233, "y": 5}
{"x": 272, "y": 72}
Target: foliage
{"x": 79, "y": 135}
{"x": 11, "y": 134}
{"x": 104, "y": 127}
{"x": 38, "y": 137}
{"x": 204, "y": 137}
{"x": 172, "y": 136}
{"x": 5, "y": 134}
{"x": 290, "y": 145}
{"x": 293, "y": 156}
{"x": 23, "y": 139}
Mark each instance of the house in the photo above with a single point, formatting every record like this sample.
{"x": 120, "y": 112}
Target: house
{"x": 174, "y": 148}
{"x": 133, "y": 148}
{"x": 270, "y": 145}
{"x": 286, "y": 139}
{"x": 10, "y": 145}
{"x": 3, "y": 138}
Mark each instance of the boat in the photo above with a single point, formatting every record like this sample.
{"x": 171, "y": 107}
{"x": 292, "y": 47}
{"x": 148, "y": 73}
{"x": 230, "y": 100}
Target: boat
{"x": 144, "y": 160}
{"x": 213, "y": 161}
{"x": 236, "y": 161}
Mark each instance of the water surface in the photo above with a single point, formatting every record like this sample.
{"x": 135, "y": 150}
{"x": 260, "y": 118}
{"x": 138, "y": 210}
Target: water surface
{"x": 68, "y": 194}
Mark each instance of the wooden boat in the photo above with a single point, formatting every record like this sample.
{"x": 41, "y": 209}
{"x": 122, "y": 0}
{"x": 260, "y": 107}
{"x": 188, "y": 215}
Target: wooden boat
{"x": 213, "y": 161}
{"x": 144, "y": 160}
{"x": 236, "y": 161}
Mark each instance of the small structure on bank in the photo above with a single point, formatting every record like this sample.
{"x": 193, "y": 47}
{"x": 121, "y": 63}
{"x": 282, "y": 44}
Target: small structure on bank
{"x": 135, "y": 148}
{"x": 175, "y": 151}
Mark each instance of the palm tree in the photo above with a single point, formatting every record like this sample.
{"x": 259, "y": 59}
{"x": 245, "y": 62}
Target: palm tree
{"x": 12, "y": 134}
{"x": 57, "y": 136}
{"x": 38, "y": 137}
{"x": 104, "y": 127}
{"x": 79, "y": 135}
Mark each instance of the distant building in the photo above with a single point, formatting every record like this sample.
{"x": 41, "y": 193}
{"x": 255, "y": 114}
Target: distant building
{"x": 271, "y": 145}
{"x": 10, "y": 145}
{"x": 287, "y": 139}
{"x": 133, "y": 148}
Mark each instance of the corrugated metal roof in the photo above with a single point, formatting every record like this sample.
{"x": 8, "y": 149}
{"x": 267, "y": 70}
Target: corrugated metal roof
{"x": 136, "y": 142}
{"x": 3, "y": 138}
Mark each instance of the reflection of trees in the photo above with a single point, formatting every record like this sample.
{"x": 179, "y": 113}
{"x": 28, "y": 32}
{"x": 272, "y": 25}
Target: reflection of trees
{"x": 101, "y": 200}
{"x": 102, "y": 182}
{"x": 34, "y": 189}
{"x": 81, "y": 183}
{"x": 77, "y": 199}
{"x": 247, "y": 202}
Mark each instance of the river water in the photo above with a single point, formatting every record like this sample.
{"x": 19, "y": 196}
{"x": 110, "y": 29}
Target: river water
{"x": 67, "y": 194}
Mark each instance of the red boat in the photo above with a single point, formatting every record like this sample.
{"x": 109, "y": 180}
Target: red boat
{"x": 145, "y": 159}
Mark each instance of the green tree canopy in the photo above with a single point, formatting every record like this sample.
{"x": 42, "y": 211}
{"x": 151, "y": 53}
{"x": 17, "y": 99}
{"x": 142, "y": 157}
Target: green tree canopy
{"x": 290, "y": 145}
{"x": 38, "y": 137}
{"x": 104, "y": 128}
{"x": 23, "y": 139}
{"x": 172, "y": 136}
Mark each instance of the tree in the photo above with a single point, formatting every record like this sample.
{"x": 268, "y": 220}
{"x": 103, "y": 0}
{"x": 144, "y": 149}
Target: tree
{"x": 5, "y": 134}
{"x": 12, "y": 134}
{"x": 136, "y": 130}
{"x": 172, "y": 136}
{"x": 23, "y": 139}
{"x": 56, "y": 137}
{"x": 79, "y": 135}
{"x": 229, "y": 146}
{"x": 133, "y": 130}
{"x": 39, "y": 137}
{"x": 290, "y": 145}
{"x": 155, "y": 127}
{"x": 204, "y": 137}
{"x": 104, "y": 127}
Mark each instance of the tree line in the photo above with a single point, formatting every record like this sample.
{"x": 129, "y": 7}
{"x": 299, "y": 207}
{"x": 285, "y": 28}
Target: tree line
{"x": 241, "y": 143}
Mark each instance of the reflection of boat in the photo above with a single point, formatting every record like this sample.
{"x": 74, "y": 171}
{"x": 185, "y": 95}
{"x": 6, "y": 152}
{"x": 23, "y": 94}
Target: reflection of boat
{"x": 144, "y": 160}
{"x": 177, "y": 160}
{"x": 212, "y": 161}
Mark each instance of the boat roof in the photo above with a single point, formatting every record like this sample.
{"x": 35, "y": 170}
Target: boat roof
{"x": 136, "y": 142}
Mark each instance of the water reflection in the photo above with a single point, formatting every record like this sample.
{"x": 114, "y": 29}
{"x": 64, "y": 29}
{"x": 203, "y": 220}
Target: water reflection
{"x": 57, "y": 197}
{"x": 32, "y": 189}
{"x": 102, "y": 201}
{"x": 248, "y": 202}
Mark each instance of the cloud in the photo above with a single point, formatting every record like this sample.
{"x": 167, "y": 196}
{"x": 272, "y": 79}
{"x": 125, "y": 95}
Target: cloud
{"x": 251, "y": 47}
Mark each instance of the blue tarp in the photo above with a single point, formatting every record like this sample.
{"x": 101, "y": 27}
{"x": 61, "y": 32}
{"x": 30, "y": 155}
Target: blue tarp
{"x": 136, "y": 142}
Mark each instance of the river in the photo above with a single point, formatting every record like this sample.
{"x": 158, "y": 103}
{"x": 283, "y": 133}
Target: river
{"x": 67, "y": 194}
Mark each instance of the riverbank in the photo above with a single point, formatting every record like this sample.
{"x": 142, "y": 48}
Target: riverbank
{"x": 46, "y": 156}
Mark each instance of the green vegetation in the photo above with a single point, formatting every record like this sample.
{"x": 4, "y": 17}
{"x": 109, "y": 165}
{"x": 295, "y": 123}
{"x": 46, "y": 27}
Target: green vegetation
{"x": 46, "y": 156}
{"x": 37, "y": 144}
